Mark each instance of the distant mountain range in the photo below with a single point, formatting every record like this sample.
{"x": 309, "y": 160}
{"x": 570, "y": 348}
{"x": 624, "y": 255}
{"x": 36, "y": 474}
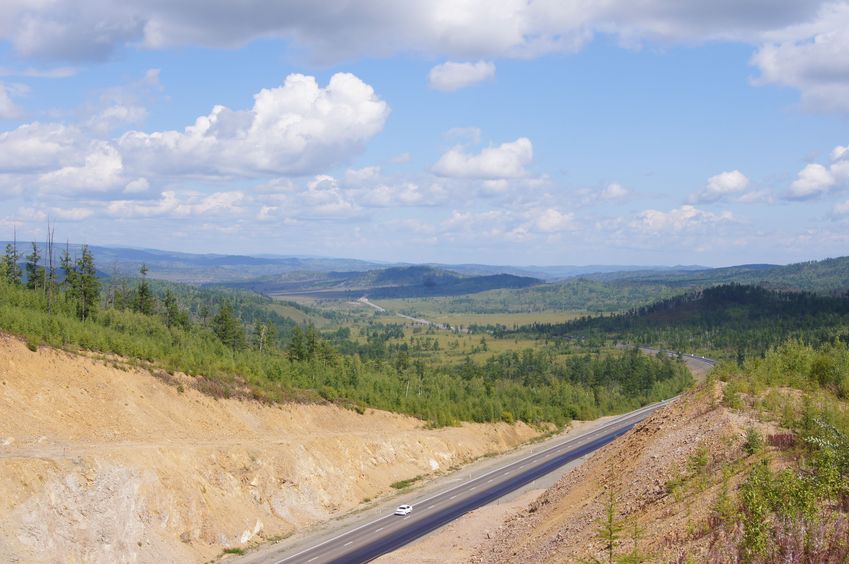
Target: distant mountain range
{"x": 273, "y": 274}
{"x": 829, "y": 275}
{"x": 221, "y": 268}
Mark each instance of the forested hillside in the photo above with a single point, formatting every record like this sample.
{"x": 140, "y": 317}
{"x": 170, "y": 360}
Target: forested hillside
{"x": 824, "y": 276}
{"x": 237, "y": 345}
{"x": 739, "y": 319}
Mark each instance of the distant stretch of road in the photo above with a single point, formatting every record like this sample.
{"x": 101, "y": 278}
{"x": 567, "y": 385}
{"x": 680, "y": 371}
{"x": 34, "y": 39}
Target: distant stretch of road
{"x": 370, "y": 540}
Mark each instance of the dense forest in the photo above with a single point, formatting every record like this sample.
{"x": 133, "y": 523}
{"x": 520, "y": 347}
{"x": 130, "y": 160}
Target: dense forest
{"x": 234, "y": 344}
{"x": 731, "y": 319}
{"x": 827, "y": 276}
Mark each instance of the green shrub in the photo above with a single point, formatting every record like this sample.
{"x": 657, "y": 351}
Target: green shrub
{"x": 754, "y": 442}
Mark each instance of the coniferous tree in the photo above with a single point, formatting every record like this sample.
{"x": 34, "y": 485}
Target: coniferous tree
{"x": 67, "y": 264}
{"x": 609, "y": 527}
{"x": 50, "y": 286}
{"x": 145, "y": 302}
{"x": 172, "y": 313}
{"x": 35, "y": 273}
{"x": 228, "y": 328}
{"x": 297, "y": 349}
{"x": 11, "y": 268}
{"x": 87, "y": 285}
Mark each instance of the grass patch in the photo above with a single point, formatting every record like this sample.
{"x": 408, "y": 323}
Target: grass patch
{"x": 404, "y": 484}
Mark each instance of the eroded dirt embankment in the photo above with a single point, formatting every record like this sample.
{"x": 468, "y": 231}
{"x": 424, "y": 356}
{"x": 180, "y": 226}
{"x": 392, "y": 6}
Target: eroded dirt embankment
{"x": 662, "y": 479}
{"x": 102, "y": 463}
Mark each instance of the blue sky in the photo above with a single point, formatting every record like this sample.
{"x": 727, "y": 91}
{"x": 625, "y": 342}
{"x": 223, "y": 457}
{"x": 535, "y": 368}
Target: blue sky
{"x": 508, "y": 132}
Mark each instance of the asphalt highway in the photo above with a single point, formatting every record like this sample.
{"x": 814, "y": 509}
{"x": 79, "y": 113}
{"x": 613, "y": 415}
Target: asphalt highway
{"x": 367, "y": 542}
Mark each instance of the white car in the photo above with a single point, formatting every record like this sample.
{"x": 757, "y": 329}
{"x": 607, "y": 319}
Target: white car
{"x": 404, "y": 510}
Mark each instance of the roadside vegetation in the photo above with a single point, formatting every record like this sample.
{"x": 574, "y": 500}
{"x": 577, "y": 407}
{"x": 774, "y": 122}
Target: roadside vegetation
{"x": 793, "y": 505}
{"x": 239, "y": 343}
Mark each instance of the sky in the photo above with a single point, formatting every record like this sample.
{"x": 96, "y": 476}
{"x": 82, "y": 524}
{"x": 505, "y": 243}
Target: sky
{"x": 640, "y": 132}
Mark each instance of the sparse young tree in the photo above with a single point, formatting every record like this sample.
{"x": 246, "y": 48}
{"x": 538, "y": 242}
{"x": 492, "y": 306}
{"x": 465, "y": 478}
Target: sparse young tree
{"x": 145, "y": 302}
{"x": 50, "y": 286}
{"x": 264, "y": 334}
{"x": 297, "y": 349}
{"x": 173, "y": 315}
{"x": 67, "y": 265}
{"x": 87, "y": 285}
{"x": 12, "y": 269}
{"x": 35, "y": 273}
{"x": 610, "y": 528}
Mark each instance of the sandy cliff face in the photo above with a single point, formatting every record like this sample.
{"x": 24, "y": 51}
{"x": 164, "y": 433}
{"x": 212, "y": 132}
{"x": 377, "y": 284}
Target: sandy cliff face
{"x": 101, "y": 463}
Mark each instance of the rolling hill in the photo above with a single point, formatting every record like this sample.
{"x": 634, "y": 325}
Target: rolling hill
{"x": 393, "y": 282}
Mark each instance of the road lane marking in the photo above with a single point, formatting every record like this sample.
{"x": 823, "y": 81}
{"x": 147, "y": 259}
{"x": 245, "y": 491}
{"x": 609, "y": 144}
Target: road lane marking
{"x": 378, "y": 530}
{"x": 452, "y": 497}
{"x": 491, "y": 479}
{"x": 313, "y": 558}
{"x": 349, "y": 543}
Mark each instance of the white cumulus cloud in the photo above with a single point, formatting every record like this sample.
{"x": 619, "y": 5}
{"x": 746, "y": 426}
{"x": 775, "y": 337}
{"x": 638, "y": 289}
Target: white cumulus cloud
{"x": 722, "y": 185}
{"x": 39, "y": 147}
{"x": 454, "y": 76}
{"x": 554, "y": 221}
{"x": 812, "y": 56}
{"x": 685, "y": 218}
{"x": 100, "y": 172}
{"x": 171, "y": 204}
{"x": 799, "y": 43}
{"x": 507, "y": 160}
{"x": 816, "y": 179}
{"x": 296, "y": 128}
{"x": 615, "y": 191}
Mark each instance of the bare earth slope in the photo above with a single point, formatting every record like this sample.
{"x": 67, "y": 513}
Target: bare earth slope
{"x": 663, "y": 475}
{"x": 103, "y": 463}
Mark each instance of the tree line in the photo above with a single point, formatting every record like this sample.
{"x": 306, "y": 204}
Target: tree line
{"x": 237, "y": 341}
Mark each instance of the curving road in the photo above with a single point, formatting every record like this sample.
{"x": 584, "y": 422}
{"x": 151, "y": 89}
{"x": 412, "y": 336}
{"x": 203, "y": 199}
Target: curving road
{"x": 389, "y": 532}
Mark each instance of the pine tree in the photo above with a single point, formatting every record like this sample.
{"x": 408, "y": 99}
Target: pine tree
{"x": 172, "y": 310}
{"x": 609, "y": 526}
{"x": 67, "y": 265}
{"x": 35, "y": 273}
{"x": 87, "y": 289}
{"x": 10, "y": 262}
{"x": 50, "y": 286}
{"x": 228, "y": 328}
{"x": 297, "y": 349}
{"x": 145, "y": 302}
